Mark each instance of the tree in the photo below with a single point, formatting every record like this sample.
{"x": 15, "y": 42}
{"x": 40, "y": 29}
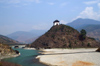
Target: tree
{"x": 82, "y": 34}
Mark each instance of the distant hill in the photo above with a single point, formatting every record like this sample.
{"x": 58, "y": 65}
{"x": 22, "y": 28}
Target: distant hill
{"x": 26, "y": 37}
{"x": 91, "y": 26}
{"x": 83, "y": 22}
{"x": 6, "y": 40}
{"x": 21, "y": 36}
{"x": 92, "y": 31}
{"x": 31, "y": 40}
{"x": 62, "y": 36}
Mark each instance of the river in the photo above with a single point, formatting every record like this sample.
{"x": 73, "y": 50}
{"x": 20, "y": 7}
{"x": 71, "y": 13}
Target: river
{"x": 27, "y": 58}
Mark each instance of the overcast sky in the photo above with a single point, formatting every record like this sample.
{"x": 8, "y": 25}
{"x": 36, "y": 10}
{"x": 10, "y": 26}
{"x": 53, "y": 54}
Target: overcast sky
{"x": 26, "y": 15}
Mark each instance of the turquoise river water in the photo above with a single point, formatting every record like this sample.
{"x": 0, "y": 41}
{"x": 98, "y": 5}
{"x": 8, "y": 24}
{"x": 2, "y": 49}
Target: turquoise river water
{"x": 27, "y": 58}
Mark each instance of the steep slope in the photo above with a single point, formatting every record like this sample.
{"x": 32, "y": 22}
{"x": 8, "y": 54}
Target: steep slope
{"x": 62, "y": 36}
{"x": 6, "y": 40}
{"x": 92, "y": 31}
{"x": 82, "y": 22}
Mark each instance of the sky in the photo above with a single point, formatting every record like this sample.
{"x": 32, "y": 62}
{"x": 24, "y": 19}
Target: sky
{"x": 27, "y": 15}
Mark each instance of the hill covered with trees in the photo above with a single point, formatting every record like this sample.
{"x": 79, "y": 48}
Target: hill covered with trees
{"x": 62, "y": 36}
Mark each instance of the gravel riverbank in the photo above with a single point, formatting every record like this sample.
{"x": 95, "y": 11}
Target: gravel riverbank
{"x": 70, "y": 57}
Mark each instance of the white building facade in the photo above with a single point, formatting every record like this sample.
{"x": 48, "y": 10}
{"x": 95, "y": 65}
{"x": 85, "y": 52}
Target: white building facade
{"x": 56, "y": 22}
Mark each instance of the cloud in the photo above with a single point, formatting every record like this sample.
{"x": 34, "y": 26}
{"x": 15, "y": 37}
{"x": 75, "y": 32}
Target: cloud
{"x": 41, "y": 27}
{"x": 99, "y": 5}
{"x": 63, "y": 22}
{"x": 14, "y": 1}
{"x": 89, "y": 13}
{"x": 91, "y": 2}
{"x": 63, "y": 4}
{"x": 37, "y": 1}
{"x": 51, "y": 3}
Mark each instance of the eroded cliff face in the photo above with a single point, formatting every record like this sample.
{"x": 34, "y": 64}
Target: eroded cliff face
{"x": 6, "y": 51}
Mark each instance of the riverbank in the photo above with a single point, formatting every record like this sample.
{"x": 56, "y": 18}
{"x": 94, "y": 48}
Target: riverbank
{"x": 8, "y": 56}
{"x": 70, "y": 57}
{"x": 3, "y": 63}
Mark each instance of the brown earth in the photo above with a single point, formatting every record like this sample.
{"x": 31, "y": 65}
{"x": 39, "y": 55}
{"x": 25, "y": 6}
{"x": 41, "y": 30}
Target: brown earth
{"x": 82, "y": 63}
{"x": 8, "y": 64}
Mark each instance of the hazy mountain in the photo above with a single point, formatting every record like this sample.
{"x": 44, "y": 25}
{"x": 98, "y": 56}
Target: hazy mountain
{"x": 82, "y": 22}
{"x": 31, "y": 40}
{"x": 6, "y": 40}
{"x": 26, "y": 37}
{"x": 62, "y": 36}
{"x": 91, "y": 26}
{"x": 38, "y": 32}
{"x": 92, "y": 31}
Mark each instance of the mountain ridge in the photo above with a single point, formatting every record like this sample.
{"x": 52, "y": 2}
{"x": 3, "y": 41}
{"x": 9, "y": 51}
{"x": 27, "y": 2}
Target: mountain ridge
{"x": 82, "y": 22}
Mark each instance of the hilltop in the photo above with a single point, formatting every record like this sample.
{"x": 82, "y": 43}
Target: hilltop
{"x": 62, "y": 36}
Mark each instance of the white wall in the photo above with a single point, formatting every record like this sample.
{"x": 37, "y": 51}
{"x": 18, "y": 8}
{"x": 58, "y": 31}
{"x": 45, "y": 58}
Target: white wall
{"x": 57, "y": 23}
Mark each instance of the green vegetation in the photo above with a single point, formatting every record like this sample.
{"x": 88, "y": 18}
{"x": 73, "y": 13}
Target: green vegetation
{"x": 70, "y": 45}
{"x": 75, "y": 42}
{"x": 91, "y": 38}
{"x": 82, "y": 35}
{"x": 88, "y": 45}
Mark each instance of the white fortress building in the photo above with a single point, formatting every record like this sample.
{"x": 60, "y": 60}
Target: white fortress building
{"x": 56, "y": 22}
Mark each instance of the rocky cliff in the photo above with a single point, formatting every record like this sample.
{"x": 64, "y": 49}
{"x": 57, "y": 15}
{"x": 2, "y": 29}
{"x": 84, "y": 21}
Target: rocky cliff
{"x": 62, "y": 36}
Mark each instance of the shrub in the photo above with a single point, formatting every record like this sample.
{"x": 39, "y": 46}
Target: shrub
{"x": 91, "y": 38}
{"x": 53, "y": 36}
{"x": 75, "y": 42}
{"x": 88, "y": 45}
